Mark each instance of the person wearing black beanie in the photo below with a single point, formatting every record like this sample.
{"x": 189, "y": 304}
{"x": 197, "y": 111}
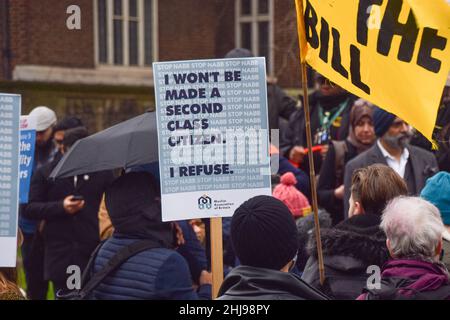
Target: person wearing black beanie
{"x": 264, "y": 238}
{"x": 264, "y": 234}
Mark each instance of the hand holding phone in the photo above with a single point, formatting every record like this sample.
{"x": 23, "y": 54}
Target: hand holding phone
{"x": 73, "y": 204}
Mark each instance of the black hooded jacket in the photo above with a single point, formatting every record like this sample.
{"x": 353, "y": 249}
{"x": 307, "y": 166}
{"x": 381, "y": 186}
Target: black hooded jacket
{"x": 250, "y": 283}
{"x": 153, "y": 274}
{"x": 348, "y": 249}
{"x": 134, "y": 206}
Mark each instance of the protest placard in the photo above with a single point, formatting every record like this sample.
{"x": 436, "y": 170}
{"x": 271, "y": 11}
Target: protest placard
{"x": 27, "y": 145}
{"x": 10, "y": 106}
{"x": 395, "y": 53}
{"x": 213, "y": 135}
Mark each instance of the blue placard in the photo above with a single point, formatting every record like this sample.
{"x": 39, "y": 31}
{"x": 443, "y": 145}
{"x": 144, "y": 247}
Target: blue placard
{"x": 27, "y": 145}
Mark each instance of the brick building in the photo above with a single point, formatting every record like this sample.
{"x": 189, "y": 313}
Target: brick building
{"x": 102, "y": 72}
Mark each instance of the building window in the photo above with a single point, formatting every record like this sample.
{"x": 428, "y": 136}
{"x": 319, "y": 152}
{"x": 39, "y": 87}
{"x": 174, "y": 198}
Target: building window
{"x": 254, "y": 28}
{"x": 126, "y": 32}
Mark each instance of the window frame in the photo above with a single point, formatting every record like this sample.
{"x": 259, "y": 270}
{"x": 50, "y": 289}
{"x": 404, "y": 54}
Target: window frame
{"x": 254, "y": 18}
{"x": 125, "y": 31}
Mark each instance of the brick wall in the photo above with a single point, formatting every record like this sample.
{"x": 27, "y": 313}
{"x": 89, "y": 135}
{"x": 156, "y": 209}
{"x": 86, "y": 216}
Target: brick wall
{"x": 185, "y": 32}
{"x": 2, "y": 48}
{"x": 40, "y": 35}
{"x": 225, "y": 33}
{"x": 286, "y": 52}
{"x": 287, "y": 64}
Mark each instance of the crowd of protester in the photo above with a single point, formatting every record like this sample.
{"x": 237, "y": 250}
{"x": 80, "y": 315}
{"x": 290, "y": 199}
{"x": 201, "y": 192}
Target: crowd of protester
{"x": 384, "y": 202}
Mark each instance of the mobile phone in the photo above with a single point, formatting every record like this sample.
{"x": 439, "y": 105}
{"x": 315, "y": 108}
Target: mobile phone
{"x": 77, "y": 198}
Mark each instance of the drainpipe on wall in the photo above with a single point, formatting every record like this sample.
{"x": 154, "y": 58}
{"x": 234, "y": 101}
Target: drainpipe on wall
{"x": 6, "y": 40}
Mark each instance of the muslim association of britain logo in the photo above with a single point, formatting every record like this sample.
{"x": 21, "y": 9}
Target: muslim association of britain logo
{"x": 204, "y": 203}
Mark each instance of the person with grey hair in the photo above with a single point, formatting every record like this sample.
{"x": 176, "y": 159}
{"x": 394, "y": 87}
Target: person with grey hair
{"x": 413, "y": 228}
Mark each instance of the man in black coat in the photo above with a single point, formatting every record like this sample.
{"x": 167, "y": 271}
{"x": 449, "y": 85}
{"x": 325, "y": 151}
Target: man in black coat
{"x": 71, "y": 225}
{"x": 415, "y": 165}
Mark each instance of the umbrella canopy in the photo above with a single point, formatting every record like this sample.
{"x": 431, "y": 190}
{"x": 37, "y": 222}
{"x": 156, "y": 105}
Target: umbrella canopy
{"x": 128, "y": 144}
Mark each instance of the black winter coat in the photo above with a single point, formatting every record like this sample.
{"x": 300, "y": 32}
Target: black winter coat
{"x": 69, "y": 239}
{"x": 250, "y": 283}
{"x": 348, "y": 249}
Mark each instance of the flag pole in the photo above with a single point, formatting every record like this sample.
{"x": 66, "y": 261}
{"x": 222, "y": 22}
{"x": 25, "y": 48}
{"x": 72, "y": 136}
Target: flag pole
{"x": 312, "y": 174}
{"x": 216, "y": 255}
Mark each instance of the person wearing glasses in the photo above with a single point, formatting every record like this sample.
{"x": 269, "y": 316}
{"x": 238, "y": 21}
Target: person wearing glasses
{"x": 264, "y": 238}
{"x": 415, "y": 165}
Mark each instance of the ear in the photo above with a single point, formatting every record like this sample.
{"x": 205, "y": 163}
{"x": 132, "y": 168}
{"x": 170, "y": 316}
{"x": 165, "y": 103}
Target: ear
{"x": 388, "y": 245}
{"x": 358, "y": 208}
{"x": 439, "y": 249}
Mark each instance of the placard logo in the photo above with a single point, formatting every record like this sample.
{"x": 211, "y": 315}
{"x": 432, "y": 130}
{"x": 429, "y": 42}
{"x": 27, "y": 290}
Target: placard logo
{"x": 204, "y": 202}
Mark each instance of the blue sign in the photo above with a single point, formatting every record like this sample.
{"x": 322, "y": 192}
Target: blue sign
{"x": 27, "y": 145}
{"x": 10, "y": 106}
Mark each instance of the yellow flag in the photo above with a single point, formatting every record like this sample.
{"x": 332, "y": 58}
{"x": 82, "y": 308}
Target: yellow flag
{"x": 394, "y": 53}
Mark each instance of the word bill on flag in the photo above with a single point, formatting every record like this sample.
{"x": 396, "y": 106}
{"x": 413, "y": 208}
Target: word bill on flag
{"x": 394, "y": 53}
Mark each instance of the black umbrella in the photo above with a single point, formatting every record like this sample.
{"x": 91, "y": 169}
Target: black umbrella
{"x": 128, "y": 144}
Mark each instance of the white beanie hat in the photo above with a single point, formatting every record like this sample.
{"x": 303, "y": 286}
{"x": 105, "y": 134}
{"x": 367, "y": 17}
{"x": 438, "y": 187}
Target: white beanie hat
{"x": 45, "y": 118}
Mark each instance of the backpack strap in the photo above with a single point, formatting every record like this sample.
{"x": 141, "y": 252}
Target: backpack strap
{"x": 340, "y": 149}
{"x": 118, "y": 259}
{"x": 90, "y": 265}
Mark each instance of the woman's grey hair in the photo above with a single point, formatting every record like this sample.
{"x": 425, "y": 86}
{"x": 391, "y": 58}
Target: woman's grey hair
{"x": 413, "y": 227}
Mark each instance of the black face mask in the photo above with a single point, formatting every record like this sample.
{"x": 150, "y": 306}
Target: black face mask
{"x": 330, "y": 102}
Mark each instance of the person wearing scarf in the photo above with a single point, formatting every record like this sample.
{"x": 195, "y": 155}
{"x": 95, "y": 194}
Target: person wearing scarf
{"x": 361, "y": 137}
{"x": 330, "y": 120}
{"x": 414, "y": 228}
